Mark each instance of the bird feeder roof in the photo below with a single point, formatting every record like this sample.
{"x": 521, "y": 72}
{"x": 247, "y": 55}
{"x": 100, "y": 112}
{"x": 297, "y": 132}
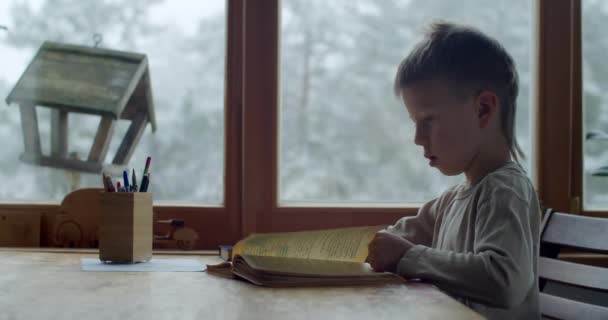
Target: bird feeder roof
{"x": 87, "y": 80}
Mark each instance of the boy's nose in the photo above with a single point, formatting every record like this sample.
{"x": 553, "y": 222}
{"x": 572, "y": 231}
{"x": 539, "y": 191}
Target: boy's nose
{"x": 418, "y": 137}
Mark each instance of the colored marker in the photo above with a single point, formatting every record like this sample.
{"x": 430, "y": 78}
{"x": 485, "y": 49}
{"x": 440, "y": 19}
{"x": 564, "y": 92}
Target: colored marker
{"x": 147, "y": 182}
{"x": 111, "y": 185}
{"x": 133, "y": 182}
{"x": 103, "y": 180}
{"x": 144, "y": 183}
{"x": 147, "y": 165}
{"x": 108, "y": 184}
{"x": 125, "y": 177}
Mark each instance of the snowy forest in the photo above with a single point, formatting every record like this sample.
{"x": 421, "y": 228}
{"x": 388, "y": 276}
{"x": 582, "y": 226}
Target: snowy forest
{"x": 344, "y": 136}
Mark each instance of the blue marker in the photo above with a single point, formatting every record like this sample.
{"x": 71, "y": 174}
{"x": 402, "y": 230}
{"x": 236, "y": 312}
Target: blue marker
{"x": 125, "y": 176}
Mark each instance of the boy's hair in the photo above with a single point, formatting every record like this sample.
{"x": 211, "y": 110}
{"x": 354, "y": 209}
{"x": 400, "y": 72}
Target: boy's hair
{"x": 468, "y": 58}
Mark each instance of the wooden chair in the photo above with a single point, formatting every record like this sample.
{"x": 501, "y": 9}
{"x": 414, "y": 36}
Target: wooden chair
{"x": 571, "y": 290}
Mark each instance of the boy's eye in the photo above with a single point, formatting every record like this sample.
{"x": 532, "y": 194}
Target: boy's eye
{"x": 426, "y": 123}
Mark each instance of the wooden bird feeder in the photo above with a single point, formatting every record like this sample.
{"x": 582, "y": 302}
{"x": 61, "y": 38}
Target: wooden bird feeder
{"x": 68, "y": 78}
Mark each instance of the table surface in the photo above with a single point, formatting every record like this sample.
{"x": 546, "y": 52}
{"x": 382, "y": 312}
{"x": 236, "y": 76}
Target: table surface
{"x": 51, "y": 285}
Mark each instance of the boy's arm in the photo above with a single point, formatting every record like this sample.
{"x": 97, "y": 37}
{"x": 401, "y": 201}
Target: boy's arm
{"x": 417, "y": 229}
{"x": 499, "y": 272}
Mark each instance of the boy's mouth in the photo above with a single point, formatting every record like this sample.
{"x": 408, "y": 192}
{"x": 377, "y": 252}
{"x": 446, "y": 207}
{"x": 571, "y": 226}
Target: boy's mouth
{"x": 432, "y": 159}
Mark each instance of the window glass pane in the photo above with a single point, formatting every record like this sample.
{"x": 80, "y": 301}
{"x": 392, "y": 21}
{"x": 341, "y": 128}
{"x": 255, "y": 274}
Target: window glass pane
{"x": 185, "y": 45}
{"x": 595, "y": 104}
{"x": 344, "y": 137}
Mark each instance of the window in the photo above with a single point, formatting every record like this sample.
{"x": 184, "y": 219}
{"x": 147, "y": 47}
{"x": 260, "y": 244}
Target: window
{"x": 186, "y": 50}
{"x": 344, "y": 137}
{"x": 273, "y": 118}
{"x": 595, "y": 105}
{"x": 273, "y": 197}
{"x": 569, "y": 106}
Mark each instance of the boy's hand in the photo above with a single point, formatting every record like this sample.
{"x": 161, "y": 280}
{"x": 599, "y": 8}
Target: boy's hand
{"x": 385, "y": 251}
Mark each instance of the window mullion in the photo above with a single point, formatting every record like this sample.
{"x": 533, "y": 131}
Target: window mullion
{"x": 554, "y": 100}
{"x": 260, "y": 109}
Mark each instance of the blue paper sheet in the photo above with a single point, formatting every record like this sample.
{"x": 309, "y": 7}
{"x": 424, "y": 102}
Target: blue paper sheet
{"x": 154, "y": 265}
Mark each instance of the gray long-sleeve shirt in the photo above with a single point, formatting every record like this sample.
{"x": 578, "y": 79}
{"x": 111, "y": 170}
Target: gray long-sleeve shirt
{"x": 480, "y": 244}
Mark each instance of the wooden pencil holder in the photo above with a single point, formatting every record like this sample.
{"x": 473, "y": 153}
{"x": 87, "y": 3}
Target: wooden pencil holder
{"x": 125, "y": 227}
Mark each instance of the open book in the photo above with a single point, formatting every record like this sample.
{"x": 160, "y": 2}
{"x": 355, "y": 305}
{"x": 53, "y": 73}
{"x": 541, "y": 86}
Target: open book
{"x": 306, "y": 258}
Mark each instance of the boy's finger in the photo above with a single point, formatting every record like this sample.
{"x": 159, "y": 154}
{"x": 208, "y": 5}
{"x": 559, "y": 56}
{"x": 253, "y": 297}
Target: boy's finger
{"x": 371, "y": 244}
{"x": 379, "y": 234}
{"x": 376, "y": 266}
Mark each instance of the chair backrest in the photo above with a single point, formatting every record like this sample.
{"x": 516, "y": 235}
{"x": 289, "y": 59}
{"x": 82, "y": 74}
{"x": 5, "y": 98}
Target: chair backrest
{"x": 571, "y": 290}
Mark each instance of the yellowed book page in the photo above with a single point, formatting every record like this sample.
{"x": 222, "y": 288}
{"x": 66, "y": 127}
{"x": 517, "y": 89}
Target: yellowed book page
{"x": 345, "y": 244}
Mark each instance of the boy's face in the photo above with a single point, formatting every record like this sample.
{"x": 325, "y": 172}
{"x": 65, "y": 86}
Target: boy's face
{"x": 447, "y": 126}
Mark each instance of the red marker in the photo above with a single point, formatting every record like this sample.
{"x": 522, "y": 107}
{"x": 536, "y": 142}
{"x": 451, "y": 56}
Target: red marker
{"x": 118, "y": 186}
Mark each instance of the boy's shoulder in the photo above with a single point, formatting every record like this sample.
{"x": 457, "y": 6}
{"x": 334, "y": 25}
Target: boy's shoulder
{"x": 510, "y": 179}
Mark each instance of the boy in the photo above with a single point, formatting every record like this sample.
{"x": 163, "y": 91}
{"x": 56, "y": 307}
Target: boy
{"x": 479, "y": 240}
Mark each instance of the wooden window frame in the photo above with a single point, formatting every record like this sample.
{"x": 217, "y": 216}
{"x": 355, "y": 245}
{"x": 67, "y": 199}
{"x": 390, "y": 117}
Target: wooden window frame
{"x": 214, "y": 224}
{"x": 560, "y": 107}
{"x": 261, "y": 210}
{"x": 558, "y": 125}
{"x": 251, "y": 132}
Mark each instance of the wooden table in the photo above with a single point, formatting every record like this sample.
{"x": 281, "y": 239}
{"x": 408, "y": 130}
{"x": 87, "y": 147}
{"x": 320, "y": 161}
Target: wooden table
{"x": 44, "y": 285}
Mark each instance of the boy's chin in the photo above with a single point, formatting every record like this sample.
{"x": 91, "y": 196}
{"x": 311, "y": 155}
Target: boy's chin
{"x": 448, "y": 171}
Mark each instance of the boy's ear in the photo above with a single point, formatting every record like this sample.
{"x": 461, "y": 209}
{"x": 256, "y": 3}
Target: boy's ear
{"x": 487, "y": 106}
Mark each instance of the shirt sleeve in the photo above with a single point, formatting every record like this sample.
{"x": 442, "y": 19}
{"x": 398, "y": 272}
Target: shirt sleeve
{"x": 417, "y": 229}
{"x": 499, "y": 272}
